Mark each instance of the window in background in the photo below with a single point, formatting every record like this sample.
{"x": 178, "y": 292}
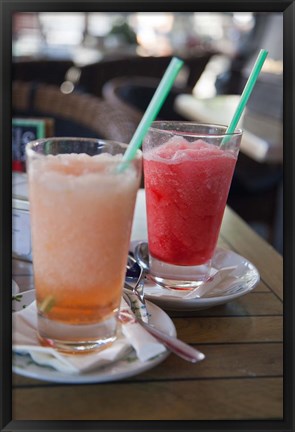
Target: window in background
{"x": 27, "y": 38}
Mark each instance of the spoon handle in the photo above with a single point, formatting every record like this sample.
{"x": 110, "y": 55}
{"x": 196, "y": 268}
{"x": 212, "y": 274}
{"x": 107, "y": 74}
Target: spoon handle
{"x": 174, "y": 345}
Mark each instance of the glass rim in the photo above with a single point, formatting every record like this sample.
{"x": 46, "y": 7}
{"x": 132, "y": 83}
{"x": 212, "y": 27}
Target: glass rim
{"x": 30, "y": 146}
{"x": 237, "y": 132}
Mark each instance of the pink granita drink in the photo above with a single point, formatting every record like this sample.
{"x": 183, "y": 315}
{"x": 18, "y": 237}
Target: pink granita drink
{"x": 187, "y": 181}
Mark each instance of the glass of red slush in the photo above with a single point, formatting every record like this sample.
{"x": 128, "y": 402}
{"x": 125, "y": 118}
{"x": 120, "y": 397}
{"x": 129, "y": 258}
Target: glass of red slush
{"x": 188, "y": 169}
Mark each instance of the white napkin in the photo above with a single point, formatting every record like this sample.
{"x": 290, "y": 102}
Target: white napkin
{"x": 217, "y": 285}
{"x": 131, "y": 334}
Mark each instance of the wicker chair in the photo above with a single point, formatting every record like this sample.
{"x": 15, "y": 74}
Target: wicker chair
{"x": 94, "y": 76}
{"x": 134, "y": 93}
{"x": 75, "y": 114}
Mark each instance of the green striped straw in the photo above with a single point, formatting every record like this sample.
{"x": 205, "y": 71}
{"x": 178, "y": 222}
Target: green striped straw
{"x": 246, "y": 94}
{"x": 152, "y": 110}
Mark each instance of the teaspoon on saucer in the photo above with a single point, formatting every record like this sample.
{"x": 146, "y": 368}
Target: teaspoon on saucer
{"x": 173, "y": 344}
{"x": 141, "y": 255}
{"x": 135, "y": 275}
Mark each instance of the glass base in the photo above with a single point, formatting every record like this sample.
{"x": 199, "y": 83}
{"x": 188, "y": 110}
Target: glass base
{"x": 76, "y": 339}
{"x": 178, "y": 277}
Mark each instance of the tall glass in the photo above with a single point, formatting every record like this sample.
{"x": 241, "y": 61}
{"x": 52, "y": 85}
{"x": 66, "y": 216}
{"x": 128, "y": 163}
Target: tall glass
{"x": 81, "y": 209}
{"x": 188, "y": 170}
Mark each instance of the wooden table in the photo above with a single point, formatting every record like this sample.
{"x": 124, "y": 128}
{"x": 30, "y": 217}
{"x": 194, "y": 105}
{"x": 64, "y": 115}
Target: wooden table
{"x": 241, "y": 377}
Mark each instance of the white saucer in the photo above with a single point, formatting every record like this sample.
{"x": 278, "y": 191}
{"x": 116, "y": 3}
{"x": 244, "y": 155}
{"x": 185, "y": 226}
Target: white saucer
{"x": 15, "y": 288}
{"x": 123, "y": 368}
{"x": 22, "y": 299}
{"x": 235, "y": 277}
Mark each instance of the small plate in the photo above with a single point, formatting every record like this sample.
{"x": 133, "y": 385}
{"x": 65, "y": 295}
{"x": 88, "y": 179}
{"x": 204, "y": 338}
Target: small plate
{"x": 123, "y": 368}
{"x": 235, "y": 277}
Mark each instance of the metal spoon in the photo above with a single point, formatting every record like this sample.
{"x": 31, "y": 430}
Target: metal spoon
{"x": 133, "y": 270}
{"x": 135, "y": 275}
{"x": 138, "y": 267}
{"x": 141, "y": 254}
{"x": 173, "y": 344}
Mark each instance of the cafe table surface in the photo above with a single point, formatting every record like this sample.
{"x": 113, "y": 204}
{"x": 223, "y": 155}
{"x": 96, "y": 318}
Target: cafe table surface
{"x": 220, "y": 110}
{"x": 241, "y": 377}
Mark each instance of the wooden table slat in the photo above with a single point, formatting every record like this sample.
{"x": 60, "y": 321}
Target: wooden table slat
{"x": 243, "y": 239}
{"x": 179, "y": 400}
{"x": 227, "y": 360}
{"x": 228, "y": 329}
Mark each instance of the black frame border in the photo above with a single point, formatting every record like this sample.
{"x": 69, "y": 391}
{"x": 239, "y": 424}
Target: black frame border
{"x": 7, "y": 7}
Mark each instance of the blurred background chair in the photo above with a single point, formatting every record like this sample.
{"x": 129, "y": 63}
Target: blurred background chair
{"x": 255, "y": 193}
{"x": 94, "y": 76}
{"x": 74, "y": 114}
{"x": 133, "y": 94}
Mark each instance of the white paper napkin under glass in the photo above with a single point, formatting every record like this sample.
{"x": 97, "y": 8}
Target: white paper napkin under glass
{"x": 130, "y": 335}
{"x": 220, "y": 280}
